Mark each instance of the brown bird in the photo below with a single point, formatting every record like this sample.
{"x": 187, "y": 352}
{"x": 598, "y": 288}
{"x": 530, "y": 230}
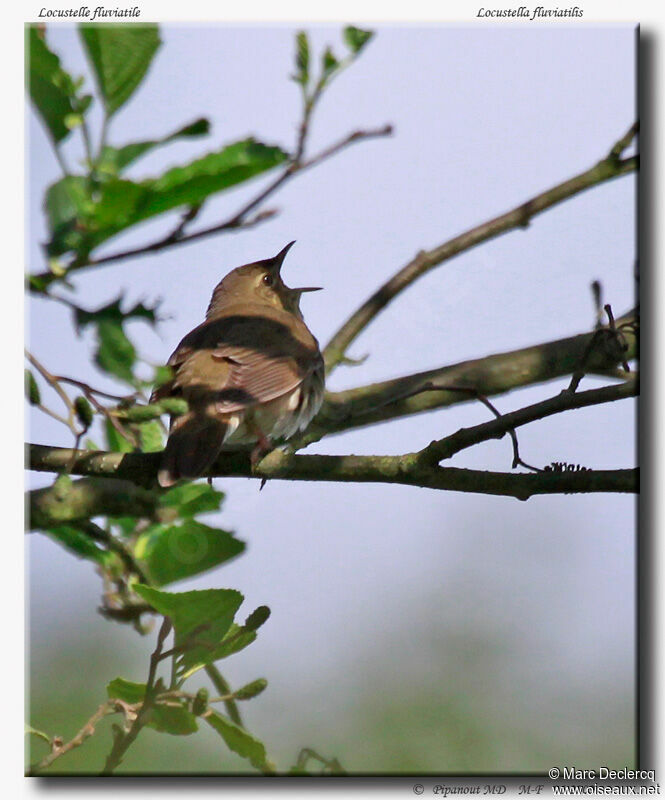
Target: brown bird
{"x": 251, "y": 373}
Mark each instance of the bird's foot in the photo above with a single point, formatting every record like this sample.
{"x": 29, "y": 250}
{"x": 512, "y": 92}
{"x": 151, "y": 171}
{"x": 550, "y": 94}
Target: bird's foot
{"x": 262, "y": 447}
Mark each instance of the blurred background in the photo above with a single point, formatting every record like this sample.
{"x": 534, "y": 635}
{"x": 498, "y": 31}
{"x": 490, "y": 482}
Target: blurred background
{"x": 411, "y": 630}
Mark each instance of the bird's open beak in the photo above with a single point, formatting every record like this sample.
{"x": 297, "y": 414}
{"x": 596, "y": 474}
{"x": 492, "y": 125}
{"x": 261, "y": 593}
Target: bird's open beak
{"x": 278, "y": 260}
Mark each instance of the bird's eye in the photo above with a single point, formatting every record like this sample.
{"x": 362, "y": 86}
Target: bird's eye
{"x": 268, "y": 280}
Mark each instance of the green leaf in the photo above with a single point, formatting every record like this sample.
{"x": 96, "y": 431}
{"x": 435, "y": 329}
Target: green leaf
{"x": 302, "y": 58}
{"x": 51, "y": 88}
{"x": 238, "y": 740}
{"x": 174, "y": 552}
{"x": 31, "y": 389}
{"x": 192, "y": 498}
{"x": 114, "y": 441}
{"x": 356, "y": 38}
{"x": 128, "y": 691}
{"x": 237, "y": 639}
{"x": 151, "y": 437}
{"x": 115, "y": 353}
{"x": 74, "y": 540}
{"x": 79, "y": 223}
{"x": 329, "y": 62}
{"x": 112, "y": 312}
{"x": 120, "y": 56}
{"x": 68, "y": 206}
{"x": 192, "y": 183}
{"x": 126, "y": 525}
{"x": 176, "y": 720}
{"x": 29, "y": 730}
{"x": 162, "y": 375}
{"x": 115, "y": 159}
{"x": 200, "y": 619}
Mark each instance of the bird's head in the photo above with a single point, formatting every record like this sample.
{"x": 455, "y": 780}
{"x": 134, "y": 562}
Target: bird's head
{"x": 259, "y": 283}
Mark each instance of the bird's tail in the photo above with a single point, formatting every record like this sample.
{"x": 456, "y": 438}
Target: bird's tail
{"x": 194, "y": 443}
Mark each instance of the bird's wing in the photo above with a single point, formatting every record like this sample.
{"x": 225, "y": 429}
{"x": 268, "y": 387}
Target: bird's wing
{"x": 238, "y": 362}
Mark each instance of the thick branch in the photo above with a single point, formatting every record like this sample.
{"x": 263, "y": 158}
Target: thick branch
{"x": 489, "y": 376}
{"x": 87, "y": 498}
{"x": 410, "y": 469}
{"x": 610, "y": 167}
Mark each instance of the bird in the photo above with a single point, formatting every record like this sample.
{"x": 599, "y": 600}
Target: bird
{"x": 252, "y": 372}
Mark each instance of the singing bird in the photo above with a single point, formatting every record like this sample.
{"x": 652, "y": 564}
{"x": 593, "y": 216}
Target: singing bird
{"x": 251, "y": 373}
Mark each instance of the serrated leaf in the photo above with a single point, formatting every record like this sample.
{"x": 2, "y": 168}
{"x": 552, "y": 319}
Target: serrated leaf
{"x": 115, "y": 353}
{"x": 356, "y": 38}
{"x": 174, "y": 552}
{"x": 201, "y": 619}
{"x": 120, "y": 56}
{"x": 120, "y": 203}
{"x": 74, "y": 540}
{"x": 238, "y": 740}
{"x": 115, "y": 159}
{"x": 192, "y": 183}
{"x": 49, "y": 85}
{"x": 32, "y": 389}
{"x": 192, "y": 498}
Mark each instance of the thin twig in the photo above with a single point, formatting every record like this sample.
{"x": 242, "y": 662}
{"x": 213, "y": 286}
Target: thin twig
{"x": 236, "y": 221}
{"x": 98, "y": 534}
{"x": 124, "y": 741}
{"x": 58, "y": 749}
{"x": 517, "y": 460}
{"x": 604, "y": 334}
{"x": 53, "y": 382}
{"x": 564, "y": 401}
{"x": 219, "y": 682}
{"x": 88, "y": 390}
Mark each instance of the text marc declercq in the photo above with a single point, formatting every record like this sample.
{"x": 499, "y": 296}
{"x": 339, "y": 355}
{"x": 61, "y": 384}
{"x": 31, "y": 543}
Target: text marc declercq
{"x": 605, "y": 774}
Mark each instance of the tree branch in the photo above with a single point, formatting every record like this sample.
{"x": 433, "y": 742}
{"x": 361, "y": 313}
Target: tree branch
{"x": 410, "y": 469}
{"x": 87, "y": 498}
{"x": 610, "y": 167}
{"x": 123, "y": 741}
{"x": 489, "y": 376}
{"x": 235, "y": 222}
{"x": 496, "y": 428}
{"x": 59, "y": 749}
